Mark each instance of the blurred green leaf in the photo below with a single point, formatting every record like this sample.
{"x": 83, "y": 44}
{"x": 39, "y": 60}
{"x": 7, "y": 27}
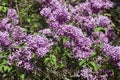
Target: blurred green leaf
{"x": 7, "y": 68}
{"x": 107, "y": 14}
{"x": 100, "y": 45}
{"x": 22, "y": 76}
{"x": 60, "y": 65}
{"x": 93, "y": 54}
{"x": 98, "y": 29}
{"x": 28, "y": 20}
{"x": 82, "y": 62}
{"x": 93, "y": 66}
{"x": 53, "y": 59}
{"x": 1, "y": 8}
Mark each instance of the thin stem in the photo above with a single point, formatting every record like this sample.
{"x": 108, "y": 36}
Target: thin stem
{"x": 17, "y": 7}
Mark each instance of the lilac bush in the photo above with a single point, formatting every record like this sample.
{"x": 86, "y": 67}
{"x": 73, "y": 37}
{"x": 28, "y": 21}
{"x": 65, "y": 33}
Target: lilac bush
{"x": 23, "y": 46}
{"x": 76, "y": 41}
{"x": 85, "y": 18}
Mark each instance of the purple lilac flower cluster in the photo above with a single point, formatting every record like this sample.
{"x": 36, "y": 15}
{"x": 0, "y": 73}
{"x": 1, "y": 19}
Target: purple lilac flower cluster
{"x": 88, "y": 8}
{"x": 38, "y": 44}
{"x": 22, "y": 45}
{"x": 21, "y": 58}
{"x": 113, "y": 52}
{"x": 103, "y": 74}
{"x": 58, "y": 16}
{"x": 85, "y": 18}
{"x": 79, "y": 43}
{"x": 88, "y": 15}
{"x": 4, "y": 39}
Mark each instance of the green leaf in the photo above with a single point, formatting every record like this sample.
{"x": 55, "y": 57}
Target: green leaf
{"x": 60, "y": 65}
{"x": 47, "y": 60}
{"x": 1, "y": 68}
{"x": 93, "y": 54}
{"x": 98, "y": 29}
{"x": 6, "y": 68}
{"x": 53, "y": 59}
{"x": 69, "y": 55}
{"x": 22, "y": 76}
{"x": 1, "y": 8}
{"x": 112, "y": 24}
{"x": 100, "y": 45}
{"x": 82, "y": 62}
{"x": 4, "y": 62}
{"x": 65, "y": 39}
{"x": 106, "y": 14}
{"x": 93, "y": 66}
{"x": 3, "y": 4}
{"x": 4, "y": 9}
{"x": 28, "y": 20}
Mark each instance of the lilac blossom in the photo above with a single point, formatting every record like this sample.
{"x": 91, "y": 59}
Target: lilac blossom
{"x": 5, "y": 26}
{"x": 4, "y": 22}
{"x": 110, "y": 33}
{"x": 22, "y": 45}
{"x": 103, "y": 74}
{"x": 100, "y": 20}
{"x": 33, "y": 44}
{"x": 84, "y": 12}
{"x": 86, "y": 73}
{"x": 56, "y": 10}
{"x": 46, "y": 12}
{"x": 18, "y": 33}
{"x": 12, "y": 14}
{"x": 90, "y": 22}
{"x": 79, "y": 43}
{"x": 38, "y": 44}
{"x": 74, "y": 33}
{"x": 80, "y": 12}
{"x": 46, "y": 31}
{"x": 5, "y": 39}
{"x": 101, "y": 4}
{"x": 57, "y": 16}
{"x": 102, "y": 37}
{"x": 103, "y": 20}
{"x": 21, "y": 58}
{"x": 113, "y": 52}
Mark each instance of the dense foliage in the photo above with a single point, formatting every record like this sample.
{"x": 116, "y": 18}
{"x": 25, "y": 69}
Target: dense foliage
{"x": 59, "y": 40}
